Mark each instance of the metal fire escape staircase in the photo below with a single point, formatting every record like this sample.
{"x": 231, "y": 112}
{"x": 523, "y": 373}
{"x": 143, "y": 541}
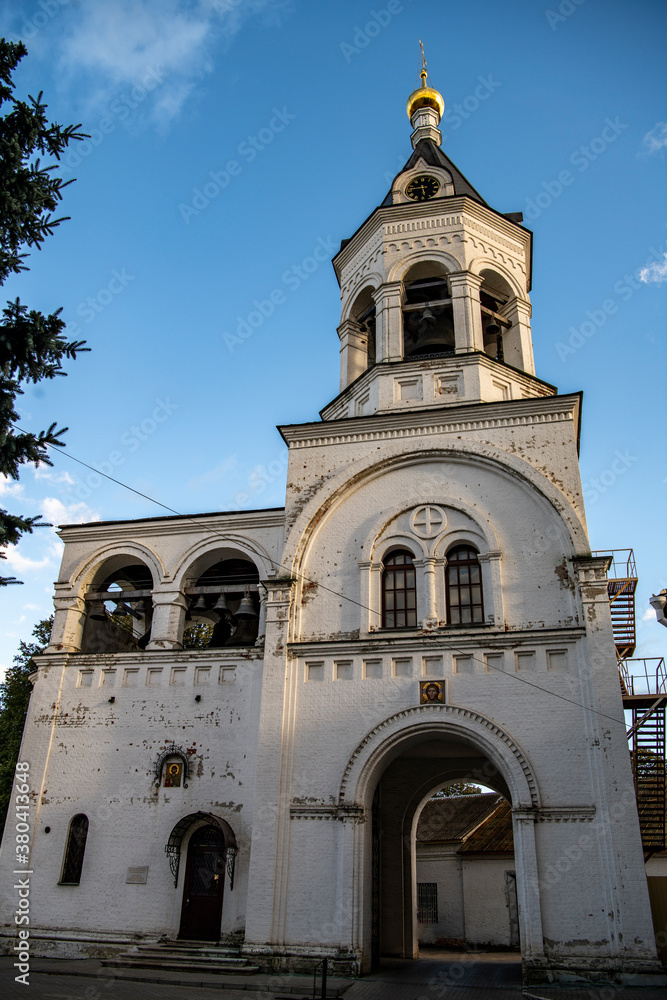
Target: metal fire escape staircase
{"x": 644, "y": 691}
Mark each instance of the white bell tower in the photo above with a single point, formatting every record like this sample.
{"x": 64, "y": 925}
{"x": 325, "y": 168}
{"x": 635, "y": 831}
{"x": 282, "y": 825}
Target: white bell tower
{"x": 435, "y": 290}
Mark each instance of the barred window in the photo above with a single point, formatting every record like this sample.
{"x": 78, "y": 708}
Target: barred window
{"x": 463, "y": 585}
{"x": 427, "y": 902}
{"x": 399, "y": 592}
{"x": 74, "y": 851}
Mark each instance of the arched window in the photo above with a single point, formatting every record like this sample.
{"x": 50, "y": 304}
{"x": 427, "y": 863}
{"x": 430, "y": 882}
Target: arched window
{"x": 463, "y": 585}
{"x": 399, "y": 592}
{"x": 76, "y": 846}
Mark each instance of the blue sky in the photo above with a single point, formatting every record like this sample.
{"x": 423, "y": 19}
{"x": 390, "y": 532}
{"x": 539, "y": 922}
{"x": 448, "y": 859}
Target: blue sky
{"x": 232, "y": 139}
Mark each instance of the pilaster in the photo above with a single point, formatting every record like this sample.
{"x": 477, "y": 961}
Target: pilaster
{"x": 353, "y": 351}
{"x": 467, "y": 311}
{"x": 69, "y": 619}
{"x": 169, "y": 607}
{"x": 517, "y": 341}
{"x": 389, "y": 346}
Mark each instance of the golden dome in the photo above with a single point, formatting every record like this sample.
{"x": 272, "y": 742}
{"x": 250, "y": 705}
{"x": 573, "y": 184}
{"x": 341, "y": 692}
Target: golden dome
{"x": 425, "y": 97}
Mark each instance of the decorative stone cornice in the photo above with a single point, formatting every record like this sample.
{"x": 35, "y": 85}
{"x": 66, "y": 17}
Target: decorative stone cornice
{"x": 343, "y": 811}
{"x": 414, "y": 423}
{"x": 557, "y": 814}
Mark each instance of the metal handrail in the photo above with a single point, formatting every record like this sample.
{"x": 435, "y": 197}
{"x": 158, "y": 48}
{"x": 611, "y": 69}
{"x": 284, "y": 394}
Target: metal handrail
{"x": 650, "y": 676}
{"x": 623, "y": 565}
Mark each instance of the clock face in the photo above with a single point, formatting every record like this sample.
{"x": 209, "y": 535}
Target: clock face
{"x": 422, "y": 188}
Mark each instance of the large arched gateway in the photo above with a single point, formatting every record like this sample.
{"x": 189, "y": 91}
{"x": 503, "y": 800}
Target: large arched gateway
{"x": 392, "y": 774}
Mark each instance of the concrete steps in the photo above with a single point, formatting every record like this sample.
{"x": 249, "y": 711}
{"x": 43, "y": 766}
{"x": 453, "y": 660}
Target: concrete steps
{"x": 185, "y": 956}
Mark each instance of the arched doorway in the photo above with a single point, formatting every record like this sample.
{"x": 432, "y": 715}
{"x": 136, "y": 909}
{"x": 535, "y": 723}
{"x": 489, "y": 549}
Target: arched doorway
{"x": 393, "y": 773}
{"x": 211, "y": 858}
{"x": 203, "y": 885}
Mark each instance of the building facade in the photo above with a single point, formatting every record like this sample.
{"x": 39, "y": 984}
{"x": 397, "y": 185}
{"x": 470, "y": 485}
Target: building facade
{"x": 241, "y": 715}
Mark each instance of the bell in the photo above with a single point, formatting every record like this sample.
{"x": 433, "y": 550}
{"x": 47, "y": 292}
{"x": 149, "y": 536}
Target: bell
{"x": 137, "y": 609}
{"x": 97, "y": 611}
{"x": 200, "y": 604}
{"x": 246, "y": 608}
{"x": 121, "y": 608}
{"x": 492, "y": 329}
{"x": 221, "y": 608}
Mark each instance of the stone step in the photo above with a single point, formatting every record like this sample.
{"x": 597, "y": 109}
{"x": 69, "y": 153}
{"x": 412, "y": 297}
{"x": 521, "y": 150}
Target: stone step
{"x": 212, "y": 949}
{"x": 185, "y": 964}
{"x": 177, "y": 956}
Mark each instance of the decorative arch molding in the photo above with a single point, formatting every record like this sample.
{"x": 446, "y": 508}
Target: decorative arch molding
{"x": 246, "y": 548}
{"x": 133, "y": 550}
{"x": 371, "y": 280}
{"x": 399, "y": 540}
{"x": 357, "y": 474}
{"x": 383, "y": 521}
{"x": 422, "y": 256}
{"x": 444, "y": 720}
{"x": 479, "y": 264}
{"x": 173, "y": 845}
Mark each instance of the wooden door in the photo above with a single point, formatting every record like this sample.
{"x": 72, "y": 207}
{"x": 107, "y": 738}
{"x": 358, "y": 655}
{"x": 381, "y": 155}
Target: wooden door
{"x": 203, "y": 886}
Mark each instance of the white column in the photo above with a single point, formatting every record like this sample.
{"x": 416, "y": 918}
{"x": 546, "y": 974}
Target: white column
{"x": 353, "y": 351}
{"x": 467, "y": 311}
{"x": 69, "y": 620}
{"x": 492, "y": 589}
{"x": 426, "y": 599}
{"x": 517, "y": 341}
{"x": 169, "y": 607}
{"x": 528, "y": 886}
{"x": 388, "y": 322}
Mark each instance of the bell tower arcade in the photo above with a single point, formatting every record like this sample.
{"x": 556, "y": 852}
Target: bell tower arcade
{"x": 435, "y": 289}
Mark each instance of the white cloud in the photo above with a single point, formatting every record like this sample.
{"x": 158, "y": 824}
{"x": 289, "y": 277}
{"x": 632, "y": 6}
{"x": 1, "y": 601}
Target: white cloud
{"x": 41, "y": 472}
{"x": 126, "y": 44}
{"x": 9, "y": 488}
{"x": 655, "y": 272}
{"x": 649, "y": 615}
{"x": 22, "y": 564}
{"x": 57, "y": 512}
{"x": 656, "y": 139}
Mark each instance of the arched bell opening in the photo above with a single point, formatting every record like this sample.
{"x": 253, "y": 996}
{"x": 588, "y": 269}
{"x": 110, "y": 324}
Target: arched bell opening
{"x": 495, "y": 295}
{"x": 119, "y": 608}
{"x": 363, "y": 314}
{"x": 410, "y": 774}
{"x": 223, "y": 606}
{"x": 428, "y": 315}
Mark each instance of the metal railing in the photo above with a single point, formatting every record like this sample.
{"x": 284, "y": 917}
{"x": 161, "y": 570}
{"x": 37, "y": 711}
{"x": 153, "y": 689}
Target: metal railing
{"x": 623, "y": 565}
{"x": 644, "y": 676}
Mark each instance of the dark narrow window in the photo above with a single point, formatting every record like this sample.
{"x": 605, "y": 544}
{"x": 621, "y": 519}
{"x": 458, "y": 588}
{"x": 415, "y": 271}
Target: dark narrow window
{"x": 427, "y": 902}
{"x": 464, "y": 587}
{"x": 399, "y": 594}
{"x": 76, "y": 845}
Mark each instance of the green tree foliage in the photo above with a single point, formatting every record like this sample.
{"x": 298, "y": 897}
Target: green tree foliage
{"x": 461, "y": 788}
{"x": 14, "y": 697}
{"x": 32, "y": 345}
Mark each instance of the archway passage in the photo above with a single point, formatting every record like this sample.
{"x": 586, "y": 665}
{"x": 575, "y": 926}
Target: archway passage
{"x": 203, "y": 886}
{"x": 418, "y": 767}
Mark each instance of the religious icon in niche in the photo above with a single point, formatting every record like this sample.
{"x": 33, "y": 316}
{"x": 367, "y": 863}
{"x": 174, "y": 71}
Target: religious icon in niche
{"x": 173, "y": 773}
{"x": 431, "y": 692}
